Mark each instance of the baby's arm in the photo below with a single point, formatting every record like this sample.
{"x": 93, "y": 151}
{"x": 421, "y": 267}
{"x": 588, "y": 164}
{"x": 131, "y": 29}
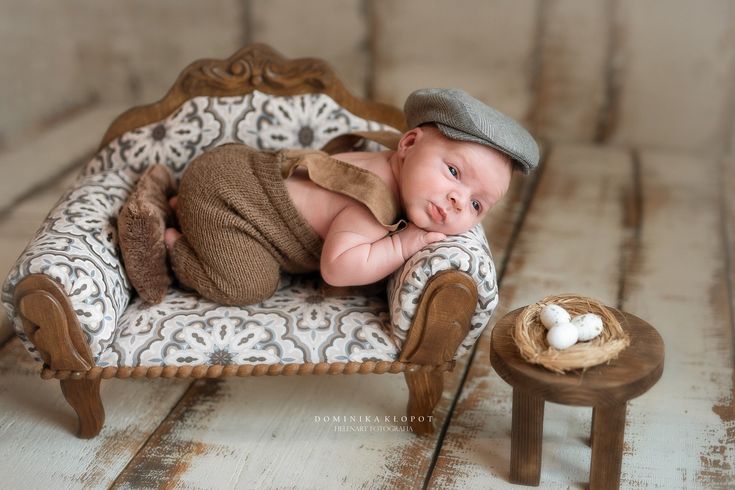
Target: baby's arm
{"x": 357, "y": 249}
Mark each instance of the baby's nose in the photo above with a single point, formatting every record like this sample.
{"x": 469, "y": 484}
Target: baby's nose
{"x": 457, "y": 200}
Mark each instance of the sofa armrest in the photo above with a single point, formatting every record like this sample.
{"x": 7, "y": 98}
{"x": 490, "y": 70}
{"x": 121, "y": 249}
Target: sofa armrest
{"x": 76, "y": 246}
{"x": 468, "y": 253}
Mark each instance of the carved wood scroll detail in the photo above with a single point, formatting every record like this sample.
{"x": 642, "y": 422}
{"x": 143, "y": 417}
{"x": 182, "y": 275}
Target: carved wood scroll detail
{"x": 259, "y": 67}
{"x": 254, "y": 67}
{"x": 51, "y": 324}
{"x": 442, "y": 319}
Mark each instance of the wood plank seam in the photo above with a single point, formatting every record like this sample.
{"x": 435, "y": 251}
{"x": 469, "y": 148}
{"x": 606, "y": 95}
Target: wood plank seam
{"x": 727, "y": 245}
{"x": 610, "y": 107}
{"x": 537, "y": 65}
{"x": 367, "y": 8}
{"x": 525, "y": 207}
{"x": 633, "y": 224}
{"x": 49, "y": 182}
{"x": 154, "y": 433}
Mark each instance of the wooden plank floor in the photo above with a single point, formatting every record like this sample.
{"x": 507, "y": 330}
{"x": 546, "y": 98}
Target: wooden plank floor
{"x": 648, "y": 231}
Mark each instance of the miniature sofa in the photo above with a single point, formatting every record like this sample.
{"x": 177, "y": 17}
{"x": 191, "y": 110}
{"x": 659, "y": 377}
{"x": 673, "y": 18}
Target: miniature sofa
{"x": 75, "y": 310}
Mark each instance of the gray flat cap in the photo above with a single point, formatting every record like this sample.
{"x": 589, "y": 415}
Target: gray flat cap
{"x": 459, "y": 116}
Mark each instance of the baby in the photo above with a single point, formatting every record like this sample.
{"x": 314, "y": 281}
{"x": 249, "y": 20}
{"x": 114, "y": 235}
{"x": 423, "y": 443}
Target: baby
{"x": 334, "y": 213}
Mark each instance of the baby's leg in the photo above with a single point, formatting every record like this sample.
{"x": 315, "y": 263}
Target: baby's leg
{"x": 232, "y": 280}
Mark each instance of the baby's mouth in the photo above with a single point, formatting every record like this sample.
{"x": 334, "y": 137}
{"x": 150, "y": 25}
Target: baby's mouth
{"x": 437, "y": 213}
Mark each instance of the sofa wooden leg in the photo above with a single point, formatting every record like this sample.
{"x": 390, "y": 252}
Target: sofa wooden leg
{"x": 84, "y": 397}
{"x": 424, "y": 392}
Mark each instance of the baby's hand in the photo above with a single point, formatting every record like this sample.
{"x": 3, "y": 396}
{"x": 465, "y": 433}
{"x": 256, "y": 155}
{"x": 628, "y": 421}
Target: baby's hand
{"x": 414, "y": 239}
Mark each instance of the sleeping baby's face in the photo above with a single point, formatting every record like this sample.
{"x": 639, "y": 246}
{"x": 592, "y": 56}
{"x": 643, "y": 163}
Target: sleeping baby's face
{"x": 447, "y": 185}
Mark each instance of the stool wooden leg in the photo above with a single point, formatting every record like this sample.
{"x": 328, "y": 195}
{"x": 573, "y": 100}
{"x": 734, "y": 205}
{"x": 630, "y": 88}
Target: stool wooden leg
{"x": 526, "y": 436}
{"x": 608, "y": 433}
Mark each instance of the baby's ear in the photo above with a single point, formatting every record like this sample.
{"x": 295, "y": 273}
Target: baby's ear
{"x": 409, "y": 139}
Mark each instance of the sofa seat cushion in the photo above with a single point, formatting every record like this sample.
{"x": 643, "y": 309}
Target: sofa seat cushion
{"x": 297, "y": 325}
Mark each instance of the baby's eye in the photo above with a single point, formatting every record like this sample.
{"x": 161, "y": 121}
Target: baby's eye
{"x": 476, "y": 205}
{"x": 453, "y": 170}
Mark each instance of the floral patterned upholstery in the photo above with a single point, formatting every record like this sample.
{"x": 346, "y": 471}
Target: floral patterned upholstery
{"x": 77, "y": 246}
{"x": 296, "y": 325}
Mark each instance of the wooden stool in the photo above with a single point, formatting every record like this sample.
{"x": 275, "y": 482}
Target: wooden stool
{"x": 606, "y": 387}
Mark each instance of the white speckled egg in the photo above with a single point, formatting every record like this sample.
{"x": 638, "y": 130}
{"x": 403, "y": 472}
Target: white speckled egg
{"x": 553, "y": 315}
{"x": 588, "y": 326}
{"x": 562, "y": 335}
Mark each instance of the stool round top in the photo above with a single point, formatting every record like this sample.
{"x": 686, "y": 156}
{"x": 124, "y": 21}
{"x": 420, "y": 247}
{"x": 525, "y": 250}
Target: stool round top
{"x": 636, "y": 369}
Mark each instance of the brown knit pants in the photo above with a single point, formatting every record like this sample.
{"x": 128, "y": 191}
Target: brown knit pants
{"x": 240, "y": 227}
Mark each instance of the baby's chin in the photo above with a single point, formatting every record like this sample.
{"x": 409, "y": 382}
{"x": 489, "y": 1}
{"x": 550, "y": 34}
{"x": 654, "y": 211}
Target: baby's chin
{"x": 426, "y": 223}
{"x": 423, "y": 221}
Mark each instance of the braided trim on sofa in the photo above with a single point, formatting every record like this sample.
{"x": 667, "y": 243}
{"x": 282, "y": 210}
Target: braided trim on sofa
{"x": 219, "y": 370}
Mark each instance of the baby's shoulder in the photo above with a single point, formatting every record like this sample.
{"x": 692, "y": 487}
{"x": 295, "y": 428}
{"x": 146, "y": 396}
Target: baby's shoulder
{"x": 377, "y": 162}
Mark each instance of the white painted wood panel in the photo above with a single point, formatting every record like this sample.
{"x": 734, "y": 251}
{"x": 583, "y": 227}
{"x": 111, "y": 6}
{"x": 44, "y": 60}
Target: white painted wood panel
{"x": 58, "y": 57}
{"x": 682, "y": 430}
{"x": 570, "y": 242}
{"x": 674, "y": 74}
{"x": 727, "y": 193}
{"x": 336, "y": 31}
{"x": 38, "y": 445}
{"x": 27, "y": 166}
{"x": 571, "y": 88}
{"x": 502, "y": 220}
{"x": 485, "y": 48}
{"x": 264, "y": 432}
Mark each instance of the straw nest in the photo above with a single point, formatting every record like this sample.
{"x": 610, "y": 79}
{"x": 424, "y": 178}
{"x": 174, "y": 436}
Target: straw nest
{"x": 529, "y": 335}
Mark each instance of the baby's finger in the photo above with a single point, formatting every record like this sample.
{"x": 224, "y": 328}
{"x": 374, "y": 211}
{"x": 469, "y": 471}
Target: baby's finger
{"x": 434, "y": 236}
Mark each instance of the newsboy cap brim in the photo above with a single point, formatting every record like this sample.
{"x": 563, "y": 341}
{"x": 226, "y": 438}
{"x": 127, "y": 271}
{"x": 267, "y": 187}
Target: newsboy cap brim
{"x": 459, "y": 116}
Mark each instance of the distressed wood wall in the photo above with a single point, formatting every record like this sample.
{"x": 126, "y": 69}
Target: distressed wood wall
{"x": 658, "y": 74}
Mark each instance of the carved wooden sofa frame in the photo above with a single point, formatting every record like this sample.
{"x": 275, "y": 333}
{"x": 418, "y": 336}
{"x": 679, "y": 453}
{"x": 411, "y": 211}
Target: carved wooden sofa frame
{"x": 47, "y": 317}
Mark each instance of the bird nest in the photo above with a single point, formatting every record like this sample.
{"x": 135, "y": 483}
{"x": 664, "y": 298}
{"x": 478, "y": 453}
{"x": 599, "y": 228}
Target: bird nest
{"x": 529, "y": 335}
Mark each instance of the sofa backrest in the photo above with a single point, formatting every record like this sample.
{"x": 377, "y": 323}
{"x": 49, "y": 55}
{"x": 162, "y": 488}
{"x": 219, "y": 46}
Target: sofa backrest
{"x": 258, "y": 119}
{"x": 256, "y": 97}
